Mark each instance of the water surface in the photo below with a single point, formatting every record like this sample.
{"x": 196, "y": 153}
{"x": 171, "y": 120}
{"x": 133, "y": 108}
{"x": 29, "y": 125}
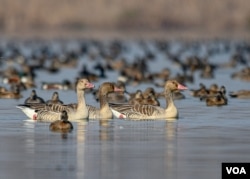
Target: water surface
{"x": 194, "y": 146}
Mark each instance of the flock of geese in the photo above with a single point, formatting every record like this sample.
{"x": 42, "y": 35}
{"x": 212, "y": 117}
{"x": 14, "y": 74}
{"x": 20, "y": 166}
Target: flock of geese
{"x": 39, "y": 110}
{"x": 20, "y": 68}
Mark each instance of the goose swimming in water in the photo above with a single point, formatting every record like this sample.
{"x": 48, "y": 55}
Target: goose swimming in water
{"x": 104, "y": 112}
{"x": 52, "y": 112}
{"x": 144, "y": 112}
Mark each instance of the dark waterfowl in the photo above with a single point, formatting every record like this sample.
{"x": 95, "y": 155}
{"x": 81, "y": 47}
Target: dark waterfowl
{"x": 54, "y": 99}
{"x": 62, "y": 125}
{"x": 34, "y": 98}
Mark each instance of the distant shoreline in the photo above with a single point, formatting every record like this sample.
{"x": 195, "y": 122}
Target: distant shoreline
{"x": 185, "y": 35}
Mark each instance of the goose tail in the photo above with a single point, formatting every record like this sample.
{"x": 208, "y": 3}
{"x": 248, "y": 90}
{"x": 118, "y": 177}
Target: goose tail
{"x": 30, "y": 113}
{"x": 117, "y": 114}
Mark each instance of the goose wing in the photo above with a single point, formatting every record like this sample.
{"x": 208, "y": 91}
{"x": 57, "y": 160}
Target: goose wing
{"x": 94, "y": 112}
{"x": 49, "y": 107}
{"x": 137, "y": 110}
{"x": 46, "y": 115}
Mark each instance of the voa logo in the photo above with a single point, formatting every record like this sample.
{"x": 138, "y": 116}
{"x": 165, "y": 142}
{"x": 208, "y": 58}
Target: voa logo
{"x": 236, "y": 170}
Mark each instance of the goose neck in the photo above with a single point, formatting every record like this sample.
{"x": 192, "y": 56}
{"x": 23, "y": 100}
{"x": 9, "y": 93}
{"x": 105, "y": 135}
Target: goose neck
{"x": 169, "y": 98}
{"x": 103, "y": 101}
{"x": 80, "y": 98}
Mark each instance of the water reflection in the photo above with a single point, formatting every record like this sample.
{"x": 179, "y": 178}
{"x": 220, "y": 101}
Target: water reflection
{"x": 80, "y": 137}
{"x": 131, "y": 149}
{"x": 29, "y": 126}
{"x": 54, "y": 154}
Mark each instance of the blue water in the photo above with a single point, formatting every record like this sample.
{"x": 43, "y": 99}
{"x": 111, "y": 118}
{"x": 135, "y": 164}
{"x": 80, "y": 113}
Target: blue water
{"x": 194, "y": 146}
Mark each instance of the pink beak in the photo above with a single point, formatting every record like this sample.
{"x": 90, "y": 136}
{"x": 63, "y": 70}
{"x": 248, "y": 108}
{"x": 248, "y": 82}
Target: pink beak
{"x": 181, "y": 87}
{"x": 118, "y": 90}
{"x": 90, "y": 85}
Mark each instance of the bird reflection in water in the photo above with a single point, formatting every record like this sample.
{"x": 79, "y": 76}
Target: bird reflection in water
{"x": 104, "y": 129}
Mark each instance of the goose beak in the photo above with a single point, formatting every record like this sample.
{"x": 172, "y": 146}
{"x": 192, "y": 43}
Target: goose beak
{"x": 117, "y": 89}
{"x": 181, "y": 87}
{"x": 90, "y": 85}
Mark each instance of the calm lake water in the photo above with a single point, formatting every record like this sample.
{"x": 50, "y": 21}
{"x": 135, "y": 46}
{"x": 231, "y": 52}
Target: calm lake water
{"x": 194, "y": 146}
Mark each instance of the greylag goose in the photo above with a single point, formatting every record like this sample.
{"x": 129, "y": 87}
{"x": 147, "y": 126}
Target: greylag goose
{"x": 104, "y": 112}
{"x": 62, "y": 125}
{"x": 51, "y": 112}
{"x": 143, "y": 112}
{"x": 117, "y": 97}
{"x": 34, "y": 98}
{"x": 54, "y": 99}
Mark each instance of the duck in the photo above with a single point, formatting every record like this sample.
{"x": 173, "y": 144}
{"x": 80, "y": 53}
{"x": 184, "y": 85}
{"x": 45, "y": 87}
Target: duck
{"x": 244, "y": 74}
{"x": 136, "y": 98}
{"x": 52, "y": 112}
{"x": 214, "y": 91}
{"x": 152, "y": 100}
{"x": 62, "y": 125}
{"x": 104, "y": 112}
{"x": 217, "y": 100}
{"x": 202, "y": 91}
{"x": 54, "y": 99}
{"x": 241, "y": 94}
{"x": 64, "y": 85}
{"x": 34, "y": 98}
{"x": 148, "y": 92}
{"x": 150, "y": 112}
{"x": 10, "y": 94}
{"x": 207, "y": 72}
{"x": 146, "y": 97}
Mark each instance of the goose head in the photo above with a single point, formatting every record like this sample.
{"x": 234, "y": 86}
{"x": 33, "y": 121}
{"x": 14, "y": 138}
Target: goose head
{"x": 84, "y": 84}
{"x": 107, "y": 88}
{"x": 173, "y": 85}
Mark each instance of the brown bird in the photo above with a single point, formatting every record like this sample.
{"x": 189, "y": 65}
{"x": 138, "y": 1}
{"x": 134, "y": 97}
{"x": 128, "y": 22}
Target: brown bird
{"x": 62, "y": 125}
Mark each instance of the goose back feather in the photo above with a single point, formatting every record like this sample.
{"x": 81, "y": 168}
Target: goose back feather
{"x": 46, "y": 111}
{"x": 144, "y": 112}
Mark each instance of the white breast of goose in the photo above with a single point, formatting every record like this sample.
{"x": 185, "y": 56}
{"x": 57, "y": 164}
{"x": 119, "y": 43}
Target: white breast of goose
{"x": 171, "y": 111}
{"x": 105, "y": 112}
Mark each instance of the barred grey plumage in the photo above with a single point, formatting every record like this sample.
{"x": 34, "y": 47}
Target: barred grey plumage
{"x": 52, "y": 111}
{"x": 142, "y": 112}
